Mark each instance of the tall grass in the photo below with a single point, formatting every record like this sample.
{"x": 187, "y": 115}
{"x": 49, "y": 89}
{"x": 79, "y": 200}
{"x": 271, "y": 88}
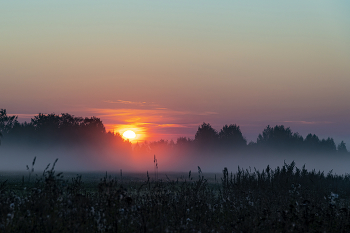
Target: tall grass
{"x": 285, "y": 199}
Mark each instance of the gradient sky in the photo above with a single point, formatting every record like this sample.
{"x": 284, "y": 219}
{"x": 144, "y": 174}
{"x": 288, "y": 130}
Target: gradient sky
{"x": 164, "y": 67}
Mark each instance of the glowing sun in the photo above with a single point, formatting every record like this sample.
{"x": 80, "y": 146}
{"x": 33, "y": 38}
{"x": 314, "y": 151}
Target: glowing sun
{"x": 129, "y": 134}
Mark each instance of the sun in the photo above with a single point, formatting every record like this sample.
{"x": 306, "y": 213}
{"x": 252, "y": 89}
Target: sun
{"x": 129, "y": 134}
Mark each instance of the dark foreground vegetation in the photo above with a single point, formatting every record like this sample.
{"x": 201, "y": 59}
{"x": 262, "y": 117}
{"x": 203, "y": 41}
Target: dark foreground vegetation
{"x": 286, "y": 199}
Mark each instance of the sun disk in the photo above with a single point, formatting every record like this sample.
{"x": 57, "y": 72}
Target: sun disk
{"x": 129, "y": 134}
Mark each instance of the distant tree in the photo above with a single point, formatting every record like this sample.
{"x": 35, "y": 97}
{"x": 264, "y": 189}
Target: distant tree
{"x": 6, "y": 122}
{"x": 252, "y": 144}
{"x": 231, "y": 136}
{"x": 312, "y": 142}
{"x": 342, "y": 147}
{"x": 183, "y": 141}
{"x": 161, "y": 144}
{"x": 69, "y": 121}
{"x": 206, "y": 135}
{"x": 328, "y": 145}
{"x": 142, "y": 148}
{"x": 93, "y": 125}
{"x": 280, "y": 138}
{"x": 45, "y": 121}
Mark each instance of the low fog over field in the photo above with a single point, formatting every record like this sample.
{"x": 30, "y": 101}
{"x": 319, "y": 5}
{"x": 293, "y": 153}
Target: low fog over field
{"x": 84, "y": 159}
{"x": 82, "y": 144}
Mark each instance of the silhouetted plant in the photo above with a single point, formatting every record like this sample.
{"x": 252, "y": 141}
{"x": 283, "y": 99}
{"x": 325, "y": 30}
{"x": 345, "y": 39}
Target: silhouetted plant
{"x": 285, "y": 199}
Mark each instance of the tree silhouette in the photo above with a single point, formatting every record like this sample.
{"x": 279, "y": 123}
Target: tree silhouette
{"x": 342, "y": 147}
{"x": 206, "y": 135}
{"x": 231, "y": 136}
{"x": 46, "y": 122}
{"x": 280, "y": 138}
{"x": 6, "y": 122}
{"x": 93, "y": 125}
{"x": 328, "y": 145}
{"x": 182, "y": 141}
{"x": 312, "y": 142}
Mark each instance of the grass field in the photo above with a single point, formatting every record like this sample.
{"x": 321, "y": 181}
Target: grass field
{"x": 286, "y": 199}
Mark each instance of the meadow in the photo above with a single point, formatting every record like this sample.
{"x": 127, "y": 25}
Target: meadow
{"x": 285, "y": 199}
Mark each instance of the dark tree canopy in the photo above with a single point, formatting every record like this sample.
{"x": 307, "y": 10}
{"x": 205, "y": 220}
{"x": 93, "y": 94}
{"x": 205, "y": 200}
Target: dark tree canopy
{"x": 183, "y": 141}
{"x": 328, "y": 145}
{"x": 53, "y": 129}
{"x": 6, "y": 122}
{"x": 312, "y": 142}
{"x": 279, "y": 137}
{"x": 231, "y": 136}
{"x": 206, "y": 135}
{"x": 342, "y": 147}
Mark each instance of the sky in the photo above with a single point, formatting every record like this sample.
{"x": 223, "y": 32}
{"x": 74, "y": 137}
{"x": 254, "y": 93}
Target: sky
{"x": 162, "y": 68}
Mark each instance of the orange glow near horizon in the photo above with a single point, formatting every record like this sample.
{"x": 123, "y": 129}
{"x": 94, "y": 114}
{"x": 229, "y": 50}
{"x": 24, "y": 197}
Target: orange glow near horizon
{"x": 150, "y": 124}
{"x": 140, "y": 132}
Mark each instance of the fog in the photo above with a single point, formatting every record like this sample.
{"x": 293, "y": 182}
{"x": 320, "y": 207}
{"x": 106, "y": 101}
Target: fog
{"x": 86, "y": 159}
{"x": 83, "y": 145}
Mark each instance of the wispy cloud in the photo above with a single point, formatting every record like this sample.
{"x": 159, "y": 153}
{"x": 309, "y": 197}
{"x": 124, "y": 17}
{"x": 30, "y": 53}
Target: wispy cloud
{"x": 309, "y": 122}
{"x": 172, "y": 125}
{"x": 127, "y": 102}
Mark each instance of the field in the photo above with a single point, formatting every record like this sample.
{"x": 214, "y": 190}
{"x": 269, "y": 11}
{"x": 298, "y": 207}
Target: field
{"x": 285, "y": 199}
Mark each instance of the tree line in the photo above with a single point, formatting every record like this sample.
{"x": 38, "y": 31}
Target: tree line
{"x": 230, "y": 138}
{"x": 52, "y": 129}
